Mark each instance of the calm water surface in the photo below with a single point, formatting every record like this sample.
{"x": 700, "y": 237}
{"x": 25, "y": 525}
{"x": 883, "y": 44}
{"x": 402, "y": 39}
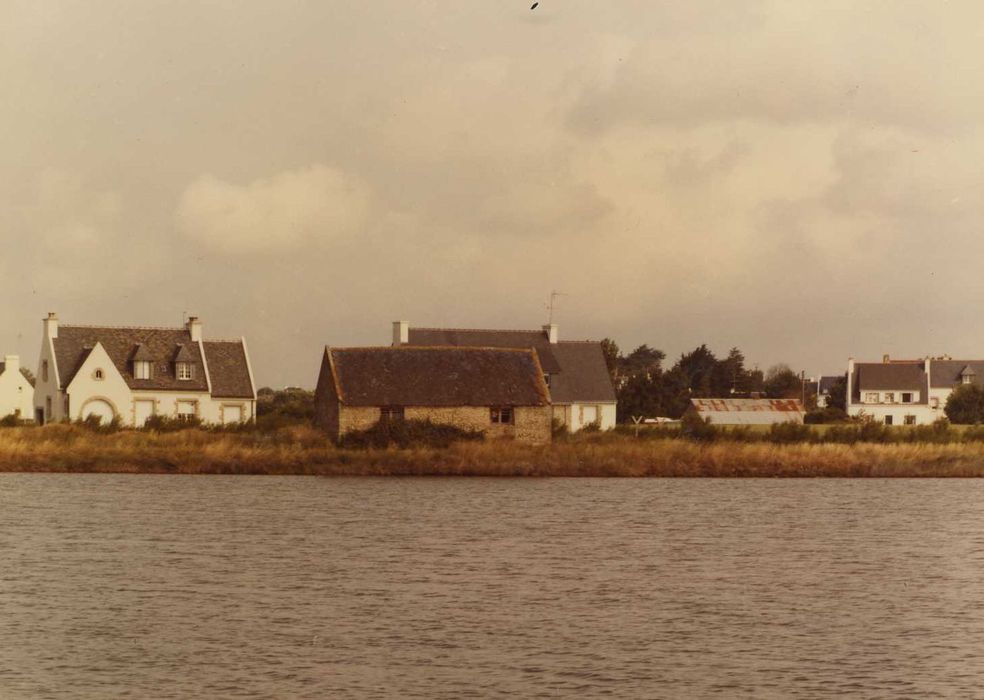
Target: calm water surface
{"x": 268, "y": 587}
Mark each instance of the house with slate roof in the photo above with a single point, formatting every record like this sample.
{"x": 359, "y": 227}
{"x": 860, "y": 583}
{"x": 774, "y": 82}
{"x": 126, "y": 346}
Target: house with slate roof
{"x": 498, "y": 391}
{"x": 132, "y": 373}
{"x": 16, "y": 389}
{"x": 575, "y": 372}
{"x": 907, "y": 392}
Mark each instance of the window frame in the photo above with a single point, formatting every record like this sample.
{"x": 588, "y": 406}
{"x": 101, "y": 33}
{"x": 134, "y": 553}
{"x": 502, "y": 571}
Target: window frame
{"x": 181, "y": 367}
{"x": 392, "y": 413}
{"x": 909, "y": 420}
{"x": 142, "y": 365}
{"x": 909, "y": 394}
{"x": 502, "y": 415}
{"x": 889, "y": 419}
{"x": 868, "y": 397}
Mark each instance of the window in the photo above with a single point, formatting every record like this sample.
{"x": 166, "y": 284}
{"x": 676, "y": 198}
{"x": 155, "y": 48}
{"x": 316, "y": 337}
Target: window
{"x": 889, "y": 397}
{"x": 98, "y": 375}
{"x": 934, "y": 403}
{"x": 888, "y": 420}
{"x": 141, "y": 369}
{"x": 47, "y": 408}
{"x": 546, "y": 379}
{"x": 391, "y": 413}
{"x": 967, "y": 379}
{"x": 44, "y": 370}
{"x": 185, "y": 370}
{"x": 906, "y": 397}
{"x": 910, "y": 420}
{"x": 503, "y": 414}
{"x": 186, "y": 410}
{"x": 871, "y": 397}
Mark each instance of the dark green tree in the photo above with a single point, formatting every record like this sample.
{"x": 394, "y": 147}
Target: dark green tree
{"x": 837, "y": 396}
{"x": 966, "y": 404}
{"x": 783, "y": 383}
{"x": 611, "y": 352}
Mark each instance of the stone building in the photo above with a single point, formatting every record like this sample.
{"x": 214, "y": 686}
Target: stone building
{"x": 132, "y": 373}
{"x": 498, "y": 391}
{"x": 575, "y": 371}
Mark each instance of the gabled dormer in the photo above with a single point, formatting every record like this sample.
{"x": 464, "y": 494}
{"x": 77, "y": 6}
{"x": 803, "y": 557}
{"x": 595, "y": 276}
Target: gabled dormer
{"x": 968, "y": 375}
{"x": 185, "y": 364}
{"x": 143, "y": 362}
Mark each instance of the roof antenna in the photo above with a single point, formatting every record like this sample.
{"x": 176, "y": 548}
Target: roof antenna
{"x": 553, "y": 303}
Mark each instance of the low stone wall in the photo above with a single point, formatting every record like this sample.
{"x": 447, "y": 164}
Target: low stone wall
{"x": 531, "y": 424}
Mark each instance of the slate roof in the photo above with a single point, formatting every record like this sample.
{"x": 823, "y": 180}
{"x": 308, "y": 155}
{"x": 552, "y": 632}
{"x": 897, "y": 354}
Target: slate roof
{"x": 480, "y": 338}
{"x": 228, "y": 368}
{"x": 891, "y": 376}
{"x": 438, "y": 376}
{"x": 827, "y": 381}
{"x": 946, "y": 373}
{"x": 583, "y": 375}
{"x": 161, "y": 347}
{"x": 577, "y": 369}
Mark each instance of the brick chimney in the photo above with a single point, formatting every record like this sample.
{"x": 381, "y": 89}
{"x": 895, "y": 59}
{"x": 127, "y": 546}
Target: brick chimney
{"x": 401, "y": 333}
{"x": 194, "y": 326}
{"x": 551, "y": 330}
{"x": 51, "y": 325}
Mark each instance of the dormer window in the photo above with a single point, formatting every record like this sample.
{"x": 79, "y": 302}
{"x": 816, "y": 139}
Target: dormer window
{"x": 184, "y": 371}
{"x": 141, "y": 369}
{"x": 967, "y": 379}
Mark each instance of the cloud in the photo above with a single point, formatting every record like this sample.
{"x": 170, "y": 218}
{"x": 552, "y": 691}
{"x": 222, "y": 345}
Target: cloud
{"x": 310, "y": 205}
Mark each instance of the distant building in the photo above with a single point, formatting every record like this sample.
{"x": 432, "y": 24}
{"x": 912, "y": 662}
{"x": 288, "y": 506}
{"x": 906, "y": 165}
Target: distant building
{"x": 907, "y": 392}
{"x": 749, "y": 411}
{"x": 16, "y": 390}
{"x": 132, "y": 373}
{"x": 500, "y": 392}
{"x": 581, "y": 388}
{"x": 823, "y": 389}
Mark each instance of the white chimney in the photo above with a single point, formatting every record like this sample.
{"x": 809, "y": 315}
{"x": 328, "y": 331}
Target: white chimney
{"x": 194, "y": 327}
{"x": 11, "y": 363}
{"x": 51, "y": 325}
{"x": 401, "y": 333}
{"x": 551, "y": 330}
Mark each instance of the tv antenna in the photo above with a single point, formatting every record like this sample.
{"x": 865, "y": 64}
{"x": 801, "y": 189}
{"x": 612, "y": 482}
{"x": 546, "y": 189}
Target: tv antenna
{"x": 553, "y": 303}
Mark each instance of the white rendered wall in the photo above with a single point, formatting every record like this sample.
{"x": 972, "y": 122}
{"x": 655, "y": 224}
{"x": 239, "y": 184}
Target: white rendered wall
{"x": 112, "y": 388}
{"x": 16, "y": 395}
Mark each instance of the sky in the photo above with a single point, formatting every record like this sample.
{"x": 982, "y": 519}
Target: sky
{"x": 802, "y": 180}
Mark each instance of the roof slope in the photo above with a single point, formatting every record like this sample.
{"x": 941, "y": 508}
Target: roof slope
{"x": 749, "y": 411}
{"x": 583, "y": 374}
{"x": 228, "y": 369}
{"x": 946, "y": 373}
{"x": 876, "y": 376}
{"x": 480, "y": 338}
{"x": 442, "y": 376}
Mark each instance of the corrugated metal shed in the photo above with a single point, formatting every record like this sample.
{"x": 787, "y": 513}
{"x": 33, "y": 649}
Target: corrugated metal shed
{"x": 749, "y": 411}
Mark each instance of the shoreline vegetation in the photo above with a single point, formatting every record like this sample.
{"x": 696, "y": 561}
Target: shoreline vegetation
{"x": 789, "y": 451}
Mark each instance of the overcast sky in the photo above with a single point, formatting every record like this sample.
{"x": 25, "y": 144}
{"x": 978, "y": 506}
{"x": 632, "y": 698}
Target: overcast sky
{"x": 804, "y": 180}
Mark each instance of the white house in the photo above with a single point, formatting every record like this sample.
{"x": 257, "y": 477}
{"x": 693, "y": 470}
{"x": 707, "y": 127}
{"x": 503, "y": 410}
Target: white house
{"x": 16, "y": 390}
{"x": 134, "y": 373}
{"x": 581, "y": 390}
{"x": 907, "y": 392}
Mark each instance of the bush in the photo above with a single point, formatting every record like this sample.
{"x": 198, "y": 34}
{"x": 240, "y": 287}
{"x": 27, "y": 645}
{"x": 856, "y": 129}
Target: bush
{"x": 11, "y": 420}
{"x": 94, "y": 424}
{"x": 165, "y": 424}
{"x": 785, "y": 433}
{"x": 698, "y": 429}
{"x": 825, "y": 415}
{"x": 408, "y": 433}
{"x": 559, "y": 429}
{"x": 965, "y": 404}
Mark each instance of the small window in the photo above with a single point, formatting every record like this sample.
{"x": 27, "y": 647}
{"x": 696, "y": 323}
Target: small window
{"x": 546, "y": 379}
{"x": 889, "y": 397}
{"x": 44, "y": 370}
{"x": 98, "y": 375}
{"x": 871, "y": 397}
{"x": 391, "y": 413}
{"x": 141, "y": 369}
{"x": 503, "y": 414}
{"x": 907, "y": 397}
{"x": 185, "y": 371}
{"x": 910, "y": 420}
{"x": 934, "y": 403}
{"x": 967, "y": 379}
{"x": 888, "y": 420}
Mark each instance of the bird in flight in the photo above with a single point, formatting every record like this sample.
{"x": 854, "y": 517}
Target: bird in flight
{"x": 533, "y": 6}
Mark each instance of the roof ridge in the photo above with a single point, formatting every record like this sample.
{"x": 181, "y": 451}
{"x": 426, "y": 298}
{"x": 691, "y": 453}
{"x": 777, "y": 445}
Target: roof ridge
{"x": 480, "y": 330}
{"x": 238, "y": 341}
{"x": 125, "y": 328}
{"x": 430, "y": 347}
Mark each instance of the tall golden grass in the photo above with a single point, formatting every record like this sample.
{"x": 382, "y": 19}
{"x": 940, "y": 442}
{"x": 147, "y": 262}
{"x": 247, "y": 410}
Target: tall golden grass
{"x": 302, "y": 450}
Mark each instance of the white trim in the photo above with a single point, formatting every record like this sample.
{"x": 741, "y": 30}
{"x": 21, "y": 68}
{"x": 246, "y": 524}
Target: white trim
{"x": 208, "y": 376}
{"x": 249, "y": 366}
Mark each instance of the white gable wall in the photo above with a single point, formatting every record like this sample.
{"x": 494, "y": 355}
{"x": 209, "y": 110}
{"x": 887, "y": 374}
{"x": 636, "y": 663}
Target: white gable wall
{"x": 86, "y": 389}
{"x": 46, "y": 384}
{"x": 16, "y": 394}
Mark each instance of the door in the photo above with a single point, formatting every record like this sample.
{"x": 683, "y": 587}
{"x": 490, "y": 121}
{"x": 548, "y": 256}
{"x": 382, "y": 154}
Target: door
{"x": 142, "y": 410}
{"x": 589, "y": 415}
{"x": 232, "y": 414}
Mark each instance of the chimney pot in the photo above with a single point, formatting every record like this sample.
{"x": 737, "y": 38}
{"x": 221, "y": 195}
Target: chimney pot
{"x": 401, "y": 333}
{"x": 51, "y": 325}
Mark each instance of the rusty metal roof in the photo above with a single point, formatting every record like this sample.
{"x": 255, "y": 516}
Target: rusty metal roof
{"x": 750, "y": 411}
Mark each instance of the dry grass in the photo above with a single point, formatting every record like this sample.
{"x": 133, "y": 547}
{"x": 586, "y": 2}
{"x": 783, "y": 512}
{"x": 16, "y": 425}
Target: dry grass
{"x": 301, "y": 450}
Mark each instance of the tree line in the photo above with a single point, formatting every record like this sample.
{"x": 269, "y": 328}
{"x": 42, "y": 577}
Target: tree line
{"x": 644, "y": 387}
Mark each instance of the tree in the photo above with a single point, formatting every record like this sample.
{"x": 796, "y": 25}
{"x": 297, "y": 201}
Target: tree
{"x": 643, "y": 359}
{"x": 966, "y": 404}
{"x": 611, "y": 352}
{"x": 837, "y": 395}
{"x": 783, "y": 383}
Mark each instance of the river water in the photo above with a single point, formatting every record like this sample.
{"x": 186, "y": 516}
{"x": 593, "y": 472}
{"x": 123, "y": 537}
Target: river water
{"x": 272, "y": 587}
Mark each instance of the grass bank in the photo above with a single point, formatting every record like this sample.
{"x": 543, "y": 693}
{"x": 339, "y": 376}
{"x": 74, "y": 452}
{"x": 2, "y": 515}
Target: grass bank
{"x": 301, "y": 450}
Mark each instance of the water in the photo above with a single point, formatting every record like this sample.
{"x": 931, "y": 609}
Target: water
{"x": 260, "y": 587}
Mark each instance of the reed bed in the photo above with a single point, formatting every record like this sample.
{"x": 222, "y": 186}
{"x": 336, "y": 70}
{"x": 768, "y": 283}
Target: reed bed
{"x": 304, "y": 451}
